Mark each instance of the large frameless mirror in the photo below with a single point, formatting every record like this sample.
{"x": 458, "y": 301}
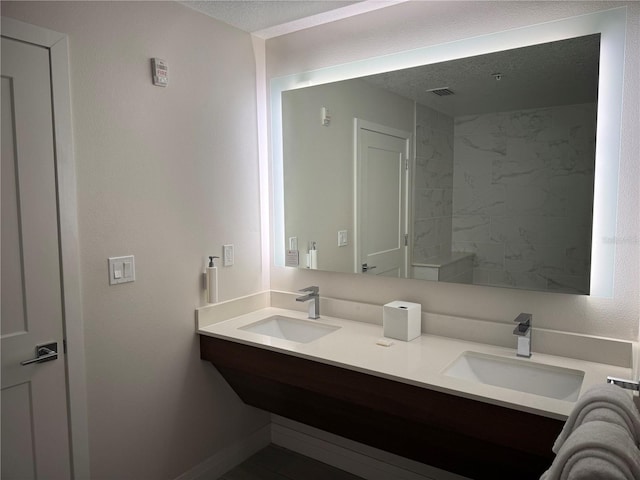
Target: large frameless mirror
{"x": 473, "y": 163}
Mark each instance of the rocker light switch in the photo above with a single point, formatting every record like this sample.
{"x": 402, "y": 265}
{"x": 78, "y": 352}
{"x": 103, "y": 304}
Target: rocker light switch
{"x": 127, "y": 269}
{"x": 121, "y": 270}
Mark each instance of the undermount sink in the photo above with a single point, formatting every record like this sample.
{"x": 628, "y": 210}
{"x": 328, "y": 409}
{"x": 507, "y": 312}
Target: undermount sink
{"x": 301, "y": 331}
{"x": 520, "y": 375}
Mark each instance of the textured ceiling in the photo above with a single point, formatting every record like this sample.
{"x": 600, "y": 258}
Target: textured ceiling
{"x": 253, "y": 16}
{"x": 531, "y": 77}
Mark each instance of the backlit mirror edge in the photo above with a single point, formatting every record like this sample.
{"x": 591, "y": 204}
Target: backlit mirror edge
{"x": 611, "y": 24}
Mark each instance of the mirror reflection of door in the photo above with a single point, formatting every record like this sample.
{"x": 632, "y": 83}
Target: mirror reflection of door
{"x": 381, "y": 199}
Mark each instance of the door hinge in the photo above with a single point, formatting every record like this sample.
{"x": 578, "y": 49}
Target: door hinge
{"x": 406, "y": 164}
{"x": 64, "y": 346}
{"x": 406, "y": 239}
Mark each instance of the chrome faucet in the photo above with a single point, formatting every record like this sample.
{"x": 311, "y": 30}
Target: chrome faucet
{"x": 314, "y": 305}
{"x": 523, "y": 331}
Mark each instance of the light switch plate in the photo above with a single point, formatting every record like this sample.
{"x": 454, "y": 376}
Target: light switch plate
{"x": 122, "y": 269}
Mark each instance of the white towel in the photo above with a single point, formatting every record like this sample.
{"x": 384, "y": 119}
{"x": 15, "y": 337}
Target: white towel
{"x": 592, "y": 405}
{"x": 596, "y": 451}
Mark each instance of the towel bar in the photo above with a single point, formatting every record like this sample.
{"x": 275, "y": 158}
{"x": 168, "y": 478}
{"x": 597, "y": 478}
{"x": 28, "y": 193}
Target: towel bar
{"x": 627, "y": 384}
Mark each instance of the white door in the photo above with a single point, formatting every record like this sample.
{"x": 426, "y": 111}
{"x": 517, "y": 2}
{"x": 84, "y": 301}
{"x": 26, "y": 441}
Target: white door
{"x": 35, "y": 439}
{"x": 381, "y": 200}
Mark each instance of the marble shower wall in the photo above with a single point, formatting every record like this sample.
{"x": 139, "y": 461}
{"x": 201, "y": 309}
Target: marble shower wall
{"x": 523, "y": 196}
{"x": 433, "y": 185}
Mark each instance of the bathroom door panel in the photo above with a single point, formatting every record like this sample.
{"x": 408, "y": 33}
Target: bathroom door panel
{"x": 381, "y": 206}
{"x": 35, "y": 439}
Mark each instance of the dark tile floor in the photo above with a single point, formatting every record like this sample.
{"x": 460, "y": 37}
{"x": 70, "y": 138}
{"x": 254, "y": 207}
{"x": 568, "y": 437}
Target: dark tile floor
{"x": 277, "y": 463}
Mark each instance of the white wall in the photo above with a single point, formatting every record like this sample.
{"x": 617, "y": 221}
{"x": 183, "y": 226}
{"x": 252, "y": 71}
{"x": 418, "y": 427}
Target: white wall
{"x": 168, "y": 175}
{"x": 417, "y": 24}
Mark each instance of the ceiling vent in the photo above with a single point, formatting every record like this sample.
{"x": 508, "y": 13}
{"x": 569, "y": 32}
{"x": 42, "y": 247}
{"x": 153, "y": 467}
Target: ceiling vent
{"x": 441, "y": 92}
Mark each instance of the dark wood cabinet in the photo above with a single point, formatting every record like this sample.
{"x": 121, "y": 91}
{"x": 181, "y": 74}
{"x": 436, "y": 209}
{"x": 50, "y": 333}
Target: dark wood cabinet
{"x": 468, "y": 437}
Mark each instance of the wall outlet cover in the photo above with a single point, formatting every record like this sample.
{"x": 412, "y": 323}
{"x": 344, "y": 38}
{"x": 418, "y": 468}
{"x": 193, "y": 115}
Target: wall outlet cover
{"x": 227, "y": 255}
{"x": 343, "y": 238}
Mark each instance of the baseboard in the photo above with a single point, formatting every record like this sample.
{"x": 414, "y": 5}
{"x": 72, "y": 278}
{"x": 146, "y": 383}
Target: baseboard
{"x": 353, "y": 457}
{"x": 227, "y": 458}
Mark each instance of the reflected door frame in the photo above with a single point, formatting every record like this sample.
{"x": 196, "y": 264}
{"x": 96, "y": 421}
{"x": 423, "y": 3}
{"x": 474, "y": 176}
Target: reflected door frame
{"x": 361, "y": 125}
{"x": 57, "y": 44}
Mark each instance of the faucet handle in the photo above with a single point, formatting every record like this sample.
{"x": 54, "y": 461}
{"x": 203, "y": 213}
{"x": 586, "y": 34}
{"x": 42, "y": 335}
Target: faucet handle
{"x": 524, "y": 324}
{"x": 313, "y": 289}
{"x": 524, "y": 319}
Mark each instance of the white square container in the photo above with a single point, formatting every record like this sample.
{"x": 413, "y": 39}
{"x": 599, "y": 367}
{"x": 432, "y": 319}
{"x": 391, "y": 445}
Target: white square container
{"x": 401, "y": 320}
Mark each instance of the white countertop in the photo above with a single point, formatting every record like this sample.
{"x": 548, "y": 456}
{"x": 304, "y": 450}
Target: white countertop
{"x": 419, "y": 362}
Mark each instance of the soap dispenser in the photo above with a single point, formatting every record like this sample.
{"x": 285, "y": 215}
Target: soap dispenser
{"x": 212, "y": 280}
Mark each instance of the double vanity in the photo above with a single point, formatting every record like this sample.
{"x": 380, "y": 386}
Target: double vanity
{"x": 458, "y": 397}
{"x": 471, "y": 408}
